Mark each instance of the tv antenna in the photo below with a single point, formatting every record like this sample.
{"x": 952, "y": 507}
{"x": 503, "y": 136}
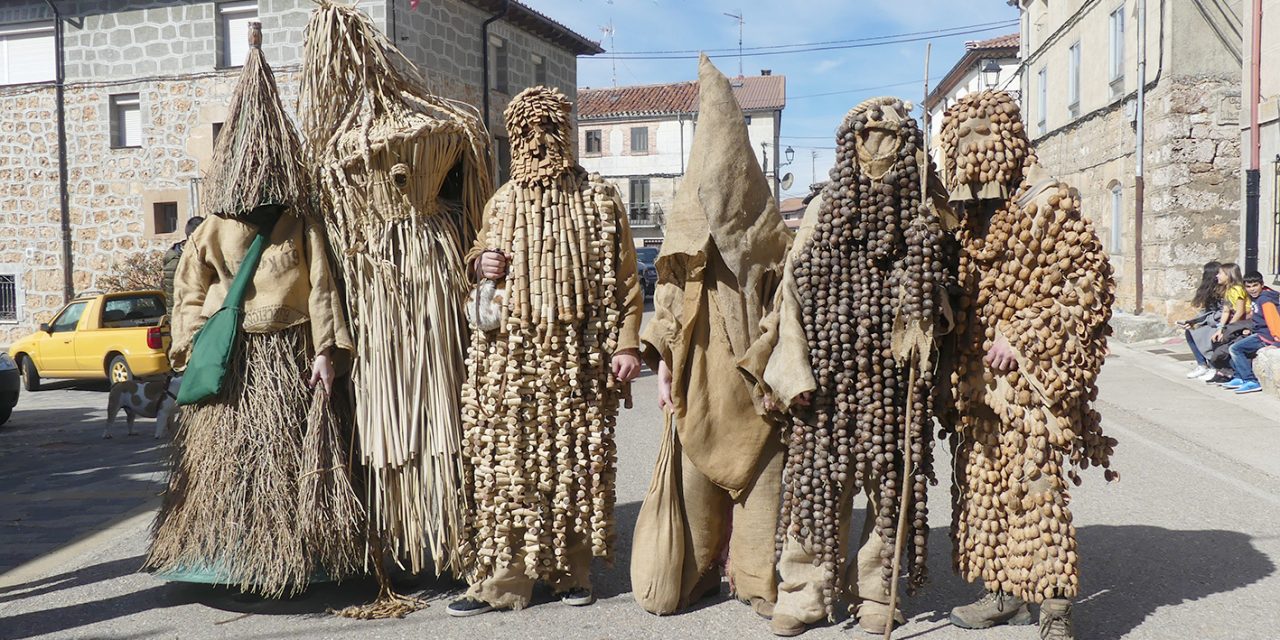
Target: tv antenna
{"x": 608, "y": 31}
{"x": 738, "y": 16}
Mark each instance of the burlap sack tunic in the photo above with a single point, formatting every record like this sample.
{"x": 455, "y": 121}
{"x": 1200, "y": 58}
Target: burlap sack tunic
{"x": 720, "y": 265}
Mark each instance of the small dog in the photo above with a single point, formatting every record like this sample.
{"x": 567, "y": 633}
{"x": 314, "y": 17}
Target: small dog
{"x": 147, "y": 398}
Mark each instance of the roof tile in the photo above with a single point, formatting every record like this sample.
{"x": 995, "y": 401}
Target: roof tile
{"x": 754, "y": 93}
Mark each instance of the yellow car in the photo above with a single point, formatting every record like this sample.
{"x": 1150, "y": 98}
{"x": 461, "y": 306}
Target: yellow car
{"x": 113, "y": 336}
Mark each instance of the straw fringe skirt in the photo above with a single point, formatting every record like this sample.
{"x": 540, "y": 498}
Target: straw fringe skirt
{"x": 260, "y": 494}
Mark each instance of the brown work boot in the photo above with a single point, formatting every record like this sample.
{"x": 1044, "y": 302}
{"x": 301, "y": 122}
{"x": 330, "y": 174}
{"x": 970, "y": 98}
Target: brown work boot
{"x": 996, "y": 607}
{"x": 1055, "y": 620}
{"x": 787, "y": 626}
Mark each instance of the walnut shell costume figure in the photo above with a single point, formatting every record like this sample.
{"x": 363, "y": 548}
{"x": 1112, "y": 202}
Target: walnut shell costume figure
{"x": 1032, "y": 272}
{"x": 405, "y": 176}
{"x": 540, "y": 402}
{"x": 869, "y": 281}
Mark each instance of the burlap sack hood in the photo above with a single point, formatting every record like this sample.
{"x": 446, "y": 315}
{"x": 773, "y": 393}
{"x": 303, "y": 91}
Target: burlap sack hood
{"x": 725, "y": 205}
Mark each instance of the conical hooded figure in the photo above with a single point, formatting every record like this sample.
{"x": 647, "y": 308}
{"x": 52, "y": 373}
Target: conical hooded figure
{"x": 260, "y": 496}
{"x": 541, "y": 397}
{"x": 405, "y": 175}
{"x": 848, "y": 352}
{"x": 719, "y": 268}
{"x": 1030, "y": 339}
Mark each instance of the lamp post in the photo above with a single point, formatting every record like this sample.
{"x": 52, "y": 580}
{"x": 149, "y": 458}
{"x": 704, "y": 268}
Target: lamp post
{"x": 990, "y": 73}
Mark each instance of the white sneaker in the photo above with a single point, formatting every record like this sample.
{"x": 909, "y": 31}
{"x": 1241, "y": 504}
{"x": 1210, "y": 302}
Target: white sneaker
{"x": 1197, "y": 372}
{"x": 1208, "y": 375}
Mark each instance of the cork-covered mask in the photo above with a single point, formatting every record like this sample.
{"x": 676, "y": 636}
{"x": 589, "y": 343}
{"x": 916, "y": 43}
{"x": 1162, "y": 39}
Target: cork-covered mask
{"x": 538, "y": 124}
{"x": 984, "y": 146}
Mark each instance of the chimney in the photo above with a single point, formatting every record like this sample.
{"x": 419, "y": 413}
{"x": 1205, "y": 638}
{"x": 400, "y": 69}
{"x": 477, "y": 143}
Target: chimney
{"x": 765, "y": 72}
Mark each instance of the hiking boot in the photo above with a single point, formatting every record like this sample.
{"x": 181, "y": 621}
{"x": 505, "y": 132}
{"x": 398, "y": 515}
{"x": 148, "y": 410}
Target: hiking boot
{"x": 1055, "y": 620}
{"x": 996, "y": 607}
{"x": 578, "y": 597}
{"x": 787, "y": 626}
{"x": 873, "y": 616}
{"x": 467, "y": 607}
{"x": 762, "y": 607}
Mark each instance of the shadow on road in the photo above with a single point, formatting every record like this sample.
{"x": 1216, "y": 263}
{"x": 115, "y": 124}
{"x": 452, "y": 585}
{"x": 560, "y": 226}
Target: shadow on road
{"x": 1127, "y": 573}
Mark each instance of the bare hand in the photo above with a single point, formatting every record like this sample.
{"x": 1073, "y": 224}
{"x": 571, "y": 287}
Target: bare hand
{"x": 626, "y": 366}
{"x": 1217, "y": 336}
{"x": 769, "y": 403}
{"x": 322, "y": 371}
{"x": 664, "y": 386}
{"x": 492, "y": 265}
{"x": 1001, "y": 358}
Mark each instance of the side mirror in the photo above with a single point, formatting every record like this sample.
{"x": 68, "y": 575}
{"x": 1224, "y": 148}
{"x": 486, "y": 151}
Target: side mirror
{"x": 44, "y": 326}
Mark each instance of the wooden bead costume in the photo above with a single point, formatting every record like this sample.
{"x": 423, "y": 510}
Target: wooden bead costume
{"x": 540, "y": 403}
{"x": 1032, "y": 272}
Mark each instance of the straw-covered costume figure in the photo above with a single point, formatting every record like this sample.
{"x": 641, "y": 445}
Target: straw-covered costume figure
{"x": 716, "y": 481}
{"x": 547, "y": 368}
{"x": 1031, "y": 327}
{"x": 405, "y": 175}
{"x": 848, "y": 353}
{"x": 260, "y": 496}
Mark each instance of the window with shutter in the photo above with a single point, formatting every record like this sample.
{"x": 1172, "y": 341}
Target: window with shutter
{"x": 640, "y": 140}
{"x": 27, "y": 54}
{"x": 594, "y": 141}
{"x": 126, "y": 120}
{"x": 233, "y": 31}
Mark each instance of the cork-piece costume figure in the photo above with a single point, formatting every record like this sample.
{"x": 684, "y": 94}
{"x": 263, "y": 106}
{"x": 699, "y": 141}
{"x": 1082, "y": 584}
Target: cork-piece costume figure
{"x": 543, "y": 386}
{"x": 848, "y": 353}
{"x": 720, "y": 265}
{"x": 405, "y": 177}
{"x": 1031, "y": 325}
{"x": 260, "y": 496}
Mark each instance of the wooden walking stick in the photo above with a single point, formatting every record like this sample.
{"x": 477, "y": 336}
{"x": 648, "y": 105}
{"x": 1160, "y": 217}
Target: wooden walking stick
{"x": 904, "y": 499}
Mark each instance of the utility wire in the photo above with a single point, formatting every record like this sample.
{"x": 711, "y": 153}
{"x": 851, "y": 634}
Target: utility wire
{"x": 989, "y": 25}
{"x": 809, "y": 49}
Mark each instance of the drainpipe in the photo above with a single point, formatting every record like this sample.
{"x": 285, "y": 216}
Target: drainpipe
{"x": 64, "y": 199}
{"x": 1253, "y": 176}
{"x": 1139, "y": 178}
{"x": 484, "y": 56}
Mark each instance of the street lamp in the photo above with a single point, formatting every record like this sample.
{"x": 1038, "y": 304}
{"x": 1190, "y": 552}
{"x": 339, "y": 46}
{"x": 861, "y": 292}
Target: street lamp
{"x": 990, "y": 73}
{"x": 791, "y": 154}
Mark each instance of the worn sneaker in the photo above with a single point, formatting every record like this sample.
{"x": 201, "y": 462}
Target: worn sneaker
{"x": 1209, "y": 374}
{"x": 467, "y": 607}
{"x": 1218, "y": 379}
{"x": 1249, "y": 387}
{"x": 1233, "y": 384}
{"x": 578, "y": 597}
{"x": 996, "y": 607}
{"x": 1197, "y": 372}
{"x": 1055, "y": 620}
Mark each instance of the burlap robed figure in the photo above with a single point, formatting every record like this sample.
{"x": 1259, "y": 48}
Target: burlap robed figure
{"x": 720, "y": 265}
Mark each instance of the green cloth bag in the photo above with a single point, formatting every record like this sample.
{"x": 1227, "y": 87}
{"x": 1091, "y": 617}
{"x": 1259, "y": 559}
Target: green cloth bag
{"x": 211, "y": 349}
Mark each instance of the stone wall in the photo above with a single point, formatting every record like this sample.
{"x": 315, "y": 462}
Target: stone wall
{"x": 166, "y": 52}
{"x": 1192, "y": 194}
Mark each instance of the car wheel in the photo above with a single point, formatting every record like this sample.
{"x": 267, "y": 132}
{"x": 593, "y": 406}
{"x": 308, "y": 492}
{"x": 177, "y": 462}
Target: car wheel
{"x": 30, "y": 376}
{"x": 118, "y": 370}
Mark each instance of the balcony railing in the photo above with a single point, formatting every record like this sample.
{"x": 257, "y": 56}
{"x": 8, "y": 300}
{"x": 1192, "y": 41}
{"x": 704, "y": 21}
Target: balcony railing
{"x": 646, "y": 214}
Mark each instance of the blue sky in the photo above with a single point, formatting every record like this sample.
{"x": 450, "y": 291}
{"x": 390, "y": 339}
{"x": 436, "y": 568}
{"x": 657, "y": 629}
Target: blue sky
{"x": 808, "y": 123}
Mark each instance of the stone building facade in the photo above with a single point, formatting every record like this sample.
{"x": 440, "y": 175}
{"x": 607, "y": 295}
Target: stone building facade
{"x": 1079, "y": 89}
{"x": 640, "y": 137}
{"x": 146, "y": 88}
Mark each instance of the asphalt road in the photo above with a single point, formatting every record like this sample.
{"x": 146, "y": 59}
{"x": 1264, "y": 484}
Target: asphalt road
{"x": 1185, "y": 545}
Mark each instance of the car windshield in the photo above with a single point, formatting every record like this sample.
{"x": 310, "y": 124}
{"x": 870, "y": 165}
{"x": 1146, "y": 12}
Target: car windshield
{"x": 134, "y": 310}
{"x": 647, "y": 254}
